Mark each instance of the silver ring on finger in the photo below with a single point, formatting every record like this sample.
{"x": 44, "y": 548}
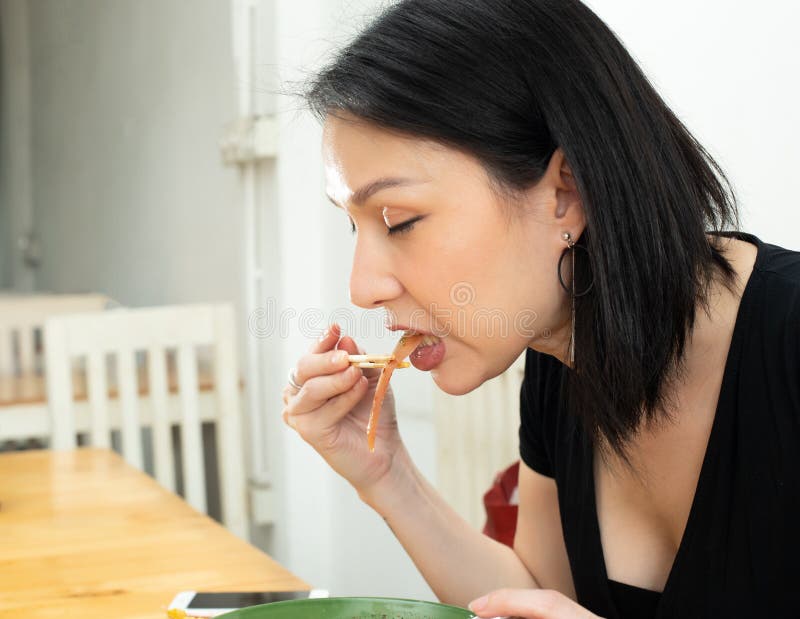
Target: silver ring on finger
{"x": 293, "y": 380}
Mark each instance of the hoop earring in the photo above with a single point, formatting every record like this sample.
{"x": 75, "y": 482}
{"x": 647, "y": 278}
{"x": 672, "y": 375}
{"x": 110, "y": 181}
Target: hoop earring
{"x": 571, "y": 247}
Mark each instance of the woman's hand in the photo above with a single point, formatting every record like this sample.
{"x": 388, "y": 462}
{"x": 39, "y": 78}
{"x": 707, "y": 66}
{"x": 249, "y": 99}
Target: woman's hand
{"x": 529, "y": 604}
{"x": 331, "y": 410}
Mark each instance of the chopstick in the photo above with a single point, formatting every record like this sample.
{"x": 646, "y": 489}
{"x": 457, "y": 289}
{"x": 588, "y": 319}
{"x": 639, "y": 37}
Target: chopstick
{"x": 368, "y": 358}
{"x": 374, "y": 361}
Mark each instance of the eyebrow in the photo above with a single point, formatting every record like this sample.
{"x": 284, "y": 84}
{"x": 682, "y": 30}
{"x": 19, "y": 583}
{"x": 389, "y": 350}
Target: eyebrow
{"x": 360, "y": 196}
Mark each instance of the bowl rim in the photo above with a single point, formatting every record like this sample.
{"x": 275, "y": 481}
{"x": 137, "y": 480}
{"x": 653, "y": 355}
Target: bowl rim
{"x": 347, "y": 598}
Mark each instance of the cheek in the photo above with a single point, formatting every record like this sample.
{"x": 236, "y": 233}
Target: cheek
{"x": 530, "y": 300}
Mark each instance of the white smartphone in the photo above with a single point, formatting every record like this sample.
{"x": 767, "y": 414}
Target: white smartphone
{"x": 211, "y": 604}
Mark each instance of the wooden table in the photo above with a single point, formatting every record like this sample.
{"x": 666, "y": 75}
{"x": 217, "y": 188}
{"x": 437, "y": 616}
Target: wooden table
{"x": 83, "y": 534}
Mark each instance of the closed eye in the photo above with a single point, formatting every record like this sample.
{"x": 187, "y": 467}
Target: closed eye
{"x": 404, "y": 227}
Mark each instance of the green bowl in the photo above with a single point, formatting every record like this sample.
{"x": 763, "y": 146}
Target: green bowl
{"x": 350, "y": 608}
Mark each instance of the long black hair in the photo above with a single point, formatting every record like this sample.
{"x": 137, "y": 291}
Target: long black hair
{"x": 509, "y": 81}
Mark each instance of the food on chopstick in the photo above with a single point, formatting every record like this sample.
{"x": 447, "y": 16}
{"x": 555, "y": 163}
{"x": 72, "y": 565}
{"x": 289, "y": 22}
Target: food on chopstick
{"x": 404, "y": 347}
{"x": 374, "y": 361}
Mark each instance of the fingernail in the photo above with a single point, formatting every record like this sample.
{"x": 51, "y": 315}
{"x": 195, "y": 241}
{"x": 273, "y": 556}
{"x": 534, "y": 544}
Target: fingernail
{"x": 340, "y": 356}
{"x": 479, "y": 604}
{"x": 325, "y": 335}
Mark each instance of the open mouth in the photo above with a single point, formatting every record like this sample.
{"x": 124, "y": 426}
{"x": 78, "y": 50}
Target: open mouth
{"x": 429, "y": 340}
{"x": 428, "y": 354}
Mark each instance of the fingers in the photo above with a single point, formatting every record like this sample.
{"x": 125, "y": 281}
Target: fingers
{"x": 322, "y": 358}
{"x": 320, "y": 364}
{"x": 319, "y": 389}
{"x": 327, "y": 340}
{"x": 312, "y": 427}
{"x": 328, "y": 355}
{"x": 529, "y": 604}
{"x": 330, "y": 387}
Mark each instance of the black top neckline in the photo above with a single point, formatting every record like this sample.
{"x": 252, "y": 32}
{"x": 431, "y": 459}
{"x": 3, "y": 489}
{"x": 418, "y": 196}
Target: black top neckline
{"x": 634, "y": 601}
{"x": 728, "y": 380}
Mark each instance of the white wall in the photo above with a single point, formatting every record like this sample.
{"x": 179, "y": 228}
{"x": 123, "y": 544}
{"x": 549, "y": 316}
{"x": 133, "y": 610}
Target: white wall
{"x": 731, "y": 70}
{"x": 16, "y": 200}
{"x": 129, "y": 103}
{"x": 5, "y": 277}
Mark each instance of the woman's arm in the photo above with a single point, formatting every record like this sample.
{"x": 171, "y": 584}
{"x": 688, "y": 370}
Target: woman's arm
{"x": 330, "y": 412}
{"x": 539, "y": 540}
{"x": 458, "y": 561}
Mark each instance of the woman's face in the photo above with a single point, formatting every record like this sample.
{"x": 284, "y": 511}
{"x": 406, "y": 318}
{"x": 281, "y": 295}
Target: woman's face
{"x": 444, "y": 253}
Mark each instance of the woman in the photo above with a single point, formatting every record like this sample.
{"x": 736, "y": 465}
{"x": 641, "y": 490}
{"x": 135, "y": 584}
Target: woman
{"x": 515, "y": 147}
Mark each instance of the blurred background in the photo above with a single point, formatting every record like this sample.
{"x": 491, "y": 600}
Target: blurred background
{"x": 146, "y": 155}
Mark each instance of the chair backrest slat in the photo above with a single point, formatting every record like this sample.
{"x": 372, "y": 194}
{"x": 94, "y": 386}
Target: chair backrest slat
{"x": 163, "y": 465}
{"x": 6, "y": 351}
{"x": 98, "y": 398}
{"x": 129, "y": 402}
{"x": 59, "y": 387}
{"x": 191, "y": 436}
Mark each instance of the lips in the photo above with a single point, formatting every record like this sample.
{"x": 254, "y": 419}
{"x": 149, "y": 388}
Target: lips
{"x": 408, "y": 330}
{"x": 428, "y": 354}
{"x": 431, "y": 349}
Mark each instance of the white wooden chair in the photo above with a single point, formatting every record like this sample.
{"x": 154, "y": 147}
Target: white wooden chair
{"x": 122, "y": 334}
{"x": 22, "y": 318}
{"x": 476, "y": 437}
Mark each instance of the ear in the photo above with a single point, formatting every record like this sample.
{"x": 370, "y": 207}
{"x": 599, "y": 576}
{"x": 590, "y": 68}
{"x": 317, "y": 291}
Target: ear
{"x": 565, "y": 200}
{"x": 559, "y": 176}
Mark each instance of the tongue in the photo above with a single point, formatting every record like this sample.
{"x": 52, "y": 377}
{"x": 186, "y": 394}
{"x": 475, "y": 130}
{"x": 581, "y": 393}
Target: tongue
{"x": 427, "y": 357}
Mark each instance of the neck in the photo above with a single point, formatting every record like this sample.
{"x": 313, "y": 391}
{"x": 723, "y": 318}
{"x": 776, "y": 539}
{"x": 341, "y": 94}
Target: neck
{"x": 557, "y": 341}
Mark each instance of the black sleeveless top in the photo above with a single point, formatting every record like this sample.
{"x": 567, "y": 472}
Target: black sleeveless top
{"x": 633, "y": 601}
{"x": 740, "y": 553}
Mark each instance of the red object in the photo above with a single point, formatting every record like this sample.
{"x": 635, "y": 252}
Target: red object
{"x": 501, "y": 506}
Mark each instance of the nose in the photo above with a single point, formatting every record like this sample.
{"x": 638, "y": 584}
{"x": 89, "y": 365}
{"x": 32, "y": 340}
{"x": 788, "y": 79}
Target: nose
{"x": 372, "y": 281}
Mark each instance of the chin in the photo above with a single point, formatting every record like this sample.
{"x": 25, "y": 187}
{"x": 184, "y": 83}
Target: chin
{"x": 458, "y": 384}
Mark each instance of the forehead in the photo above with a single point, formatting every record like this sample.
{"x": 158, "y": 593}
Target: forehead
{"x": 356, "y": 152}
{"x": 349, "y": 142}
